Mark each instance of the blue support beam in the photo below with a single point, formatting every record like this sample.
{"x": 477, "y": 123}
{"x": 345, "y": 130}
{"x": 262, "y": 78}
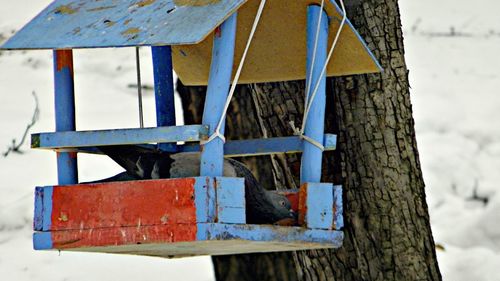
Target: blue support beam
{"x": 212, "y": 155}
{"x": 64, "y": 140}
{"x": 258, "y": 147}
{"x": 234, "y": 148}
{"x": 315, "y": 123}
{"x": 67, "y": 171}
{"x": 164, "y": 91}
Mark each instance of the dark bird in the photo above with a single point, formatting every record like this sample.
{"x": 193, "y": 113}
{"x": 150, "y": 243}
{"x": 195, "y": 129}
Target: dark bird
{"x": 262, "y": 206}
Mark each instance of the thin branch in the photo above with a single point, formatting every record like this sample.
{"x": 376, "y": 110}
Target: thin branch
{"x": 16, "y": 147}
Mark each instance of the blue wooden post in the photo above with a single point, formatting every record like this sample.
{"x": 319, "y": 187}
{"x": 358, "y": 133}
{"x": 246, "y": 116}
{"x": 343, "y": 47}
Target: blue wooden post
{"x": 311, "y": 158}
{"x": 164, "y": 91}
{"x": 212, "y": 155}
{"x": 67, "y": 171}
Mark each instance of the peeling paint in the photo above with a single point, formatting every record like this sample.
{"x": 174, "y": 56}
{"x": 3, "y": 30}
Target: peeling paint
{"x": 100, "y": 8}
{"x": 144, "y": 3}
{"x": 131, "y": 31}
{"x": 195, "y": 2}
{"x": 109, "y": 23}
{"x": 65, "y": 10}
{"x": 63, "y": 217}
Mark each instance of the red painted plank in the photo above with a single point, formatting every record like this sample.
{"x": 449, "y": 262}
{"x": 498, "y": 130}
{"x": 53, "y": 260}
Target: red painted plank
{"x": 117, "y": 236}
{"x": 303, "y": 204}
{"x": 133, "y": 203}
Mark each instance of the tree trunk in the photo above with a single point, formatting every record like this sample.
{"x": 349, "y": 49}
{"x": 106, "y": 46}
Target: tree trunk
{"x": 387, "y": 229}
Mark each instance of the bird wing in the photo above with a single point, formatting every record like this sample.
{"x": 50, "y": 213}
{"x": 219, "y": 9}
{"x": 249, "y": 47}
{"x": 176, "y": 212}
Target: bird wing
{"x": 136, "y": 160}
{"x": 186, "y": 165}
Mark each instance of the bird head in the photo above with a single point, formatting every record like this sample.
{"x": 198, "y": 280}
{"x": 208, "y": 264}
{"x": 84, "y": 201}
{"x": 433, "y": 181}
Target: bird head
{"x": 283, "y": 209}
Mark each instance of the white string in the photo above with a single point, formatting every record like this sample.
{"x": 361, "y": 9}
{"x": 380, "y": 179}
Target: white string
{"x": 309, "y": 100}
{"x": 217, "y": 133}
{"x": 139, "y": 86}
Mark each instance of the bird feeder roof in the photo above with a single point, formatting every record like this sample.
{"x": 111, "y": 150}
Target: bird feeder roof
{"x": 277, "y": 53}
{"x": 68, "y": 24}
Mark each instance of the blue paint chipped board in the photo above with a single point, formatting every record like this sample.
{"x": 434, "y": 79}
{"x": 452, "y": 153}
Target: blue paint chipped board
{"x": 205, "y": 199}
{"x": 43, "y": 208}
{"x": 212, "y": 153}
{"x": 71, "y": 139}
{"x": 339, "y": 209}
{"x": 278, "y": 50}
{"x": 110, "y": 23}
{"x": 239, "y": 148}
{"x": 320, "y": 206}
{"x": 230, "y": 200}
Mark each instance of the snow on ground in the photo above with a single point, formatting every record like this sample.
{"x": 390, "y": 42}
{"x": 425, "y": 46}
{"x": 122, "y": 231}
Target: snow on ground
{"x": 454, "y": 86}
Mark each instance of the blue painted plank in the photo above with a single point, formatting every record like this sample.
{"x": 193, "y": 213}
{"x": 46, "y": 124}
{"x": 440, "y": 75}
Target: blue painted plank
{"x": 231, "y": 215}
{"x": 212, "y": 153}
{"x": 164, "y": 91}
{"x": 319, "y": 205}
{"x": 269, "y": 233}
{"x": 118, "y": 136}
{"x": 311, "y": 158}
{"x": 268, "y": 146}
{"x": 230, "y": 200}
{"x": 111, "y": 23}
{"x": 42, "y": 241}
{"x": 42, "y": 220}
{"x": 339, "y": 209}
{"x": 255, "y": 147}
{"x": 230, "y": 192}
{"x": 64, "y": 92}
{"x": 205, "y": 199}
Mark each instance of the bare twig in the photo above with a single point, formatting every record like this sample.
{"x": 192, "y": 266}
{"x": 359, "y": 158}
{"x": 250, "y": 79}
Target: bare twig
{"x": 16, "y": 147}
{"x": 476, "y": 197}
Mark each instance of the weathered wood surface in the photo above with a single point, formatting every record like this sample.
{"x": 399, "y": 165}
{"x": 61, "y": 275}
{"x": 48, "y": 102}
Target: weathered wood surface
{"x": 188, "y": 239}
{"x": 129, "y": 203}
{"x": 61, "y": 140}
{"x": 256, "y": 147}
{"x": 244, "y": 148}
{"x": 212, "y": 152}
{"x": 110, "y": 23}
{"x": 164, "y": 90}
{"x": 320, "y": 206}
{"x": 64, "y": 96}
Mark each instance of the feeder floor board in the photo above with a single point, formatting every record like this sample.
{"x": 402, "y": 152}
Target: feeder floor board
{"x": 213, "y": 239}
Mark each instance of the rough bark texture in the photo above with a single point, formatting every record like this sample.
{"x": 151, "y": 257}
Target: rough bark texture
{"x": 388, "y": 234}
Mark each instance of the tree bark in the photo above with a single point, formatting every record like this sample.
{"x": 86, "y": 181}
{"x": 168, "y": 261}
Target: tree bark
{"x": 387, "y": 229}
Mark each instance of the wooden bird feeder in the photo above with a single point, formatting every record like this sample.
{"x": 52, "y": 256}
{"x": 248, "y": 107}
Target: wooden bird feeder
{"x": 204, "y": 215}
